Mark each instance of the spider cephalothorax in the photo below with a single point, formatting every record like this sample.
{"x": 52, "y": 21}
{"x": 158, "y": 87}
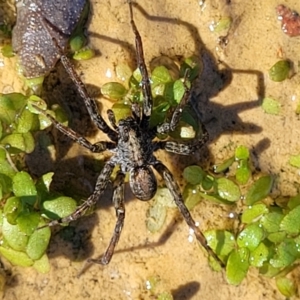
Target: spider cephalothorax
{"x": 132, "y": 145}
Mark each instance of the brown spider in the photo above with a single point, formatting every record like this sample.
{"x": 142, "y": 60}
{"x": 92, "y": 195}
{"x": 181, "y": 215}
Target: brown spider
{"x": 132, "y": 146}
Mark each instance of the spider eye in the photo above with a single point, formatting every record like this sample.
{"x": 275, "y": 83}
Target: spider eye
{"x": 143, "y": 183}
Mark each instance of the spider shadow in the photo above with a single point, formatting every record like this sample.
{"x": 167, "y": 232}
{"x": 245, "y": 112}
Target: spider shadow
{"x": 218, "y": 118}
{"x": 169, "y": 230}
{"x": 186, "y": 291}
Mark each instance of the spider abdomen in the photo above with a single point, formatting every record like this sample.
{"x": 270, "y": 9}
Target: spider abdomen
{"x": 143, "y": 182}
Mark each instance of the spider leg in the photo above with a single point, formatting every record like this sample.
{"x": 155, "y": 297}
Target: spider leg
{"x": 100, "y": 186}
{"x": 175, "y": 191}
{"x": 167, "y": 127}
{"x": 96, "y": 148}
{"x": 112, "y": 118}
{"x": 89, "y": 102}
{"x": 146, "y": 87}
{"x": 118, "y": 201}
{"x": 183, "y": 148}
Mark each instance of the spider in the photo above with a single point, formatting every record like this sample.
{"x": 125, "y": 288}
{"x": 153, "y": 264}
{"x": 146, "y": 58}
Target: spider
{"x": 132, "y": 149}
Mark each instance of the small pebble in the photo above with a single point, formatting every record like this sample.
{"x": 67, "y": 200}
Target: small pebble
{"x": 32, "y": 41}
{"x": 290, "y": 20}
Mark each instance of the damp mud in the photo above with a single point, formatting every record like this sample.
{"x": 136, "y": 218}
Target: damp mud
{"x": 228, "y": 97}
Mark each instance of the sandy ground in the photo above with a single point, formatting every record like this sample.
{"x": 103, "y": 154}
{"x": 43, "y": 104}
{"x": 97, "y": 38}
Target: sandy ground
{"x": 232, "y": 114}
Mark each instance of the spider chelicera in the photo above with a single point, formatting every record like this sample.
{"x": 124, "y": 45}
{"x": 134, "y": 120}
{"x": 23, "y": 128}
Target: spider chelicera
{"x": 133, "y": 150}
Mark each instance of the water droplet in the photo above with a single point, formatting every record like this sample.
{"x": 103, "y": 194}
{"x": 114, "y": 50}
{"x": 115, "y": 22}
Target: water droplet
{"x": 108, "y": 73}
{"x": 231, "y": 215}
{"x": 148, "y": 285}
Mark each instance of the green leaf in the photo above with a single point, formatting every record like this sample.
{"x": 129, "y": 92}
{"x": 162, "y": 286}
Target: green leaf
{"x": 280, "y": 71}
{"x": 156, "y": 215}
{"x": 7, "y": 169}
{"x": 161, "y": 89}
{"x": 224, "y": 166}
{"x": 271, "y": 106}
{"x": 165, "y": 296}
{"x": 215, "y": 198}
{"x": 15, "y": 238}
{"x": 7, "y": 50}
{"x": 136, "y": 78}
{"x": 183, "y": 131}
{"x": 27, "y": 121}
{"x": 208, "y": 182}
{"x": 193, "y": 174}
{"x": 276, "y": 237}
{"x": 123, "y": 72}
{"x": 77, "y": 42}
{"x": 287, "y": 253}
{"x": 237, "y": 266}
{"x": 243, "y": 173}
{"x": 179, "y": 90}
{"x": 37, "y": 101}
{"x": 42, "y": 265}
{"x": 221, "y": 241}
{"x": 188, "y": 116}
{"x": 35, "y": 83}
{"x": 259, "y": 255}
{"x": 84, "y": 54}
{"x": 191, "y": 196}
{"x": 241, "y": 152}
{"x": 194, "y": 67}
{"x": 286, "y": 286}
{"x": 160, "y": 74}
{"x": 222, "y": 25}
{"x": 164, "y": 197}
{"x": 228, "y": 190}
{"x": 113, "y": 90}
{"x": 38, "y": 242}
{"x": 12, "y": 208}
{"x": 5, "y": 184}
{"x": 59, "y": 207}
{"x": 294, "y": 202}
{"x": 295, "y": 160}
{"x": 269, "y": 271}
{"x": 121, "y": 111}
{"x": 28, "y": 222}
{"x": 271, "y": 221}
{"x": 291, "y": 221}
{"x": 253, "y": 212}
{"x": 43, "y": 186}
{"x": 23, "y": 187}
{"x": 250, "y": 237}
{"x": 24, "y": 142}
{"x": 259, "y": 190}
{"x": 17, "y": 258}
{"x": 10, "y": 104}
{"x": 159, "y": 113}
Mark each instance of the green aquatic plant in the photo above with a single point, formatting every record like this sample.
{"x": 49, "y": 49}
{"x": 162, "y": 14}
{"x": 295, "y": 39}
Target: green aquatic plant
{"x": 268, "y": 235}
{"x": 25, "y": 201}
{"x": 280, "y": 70}
{"x": 168, "y": 86}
